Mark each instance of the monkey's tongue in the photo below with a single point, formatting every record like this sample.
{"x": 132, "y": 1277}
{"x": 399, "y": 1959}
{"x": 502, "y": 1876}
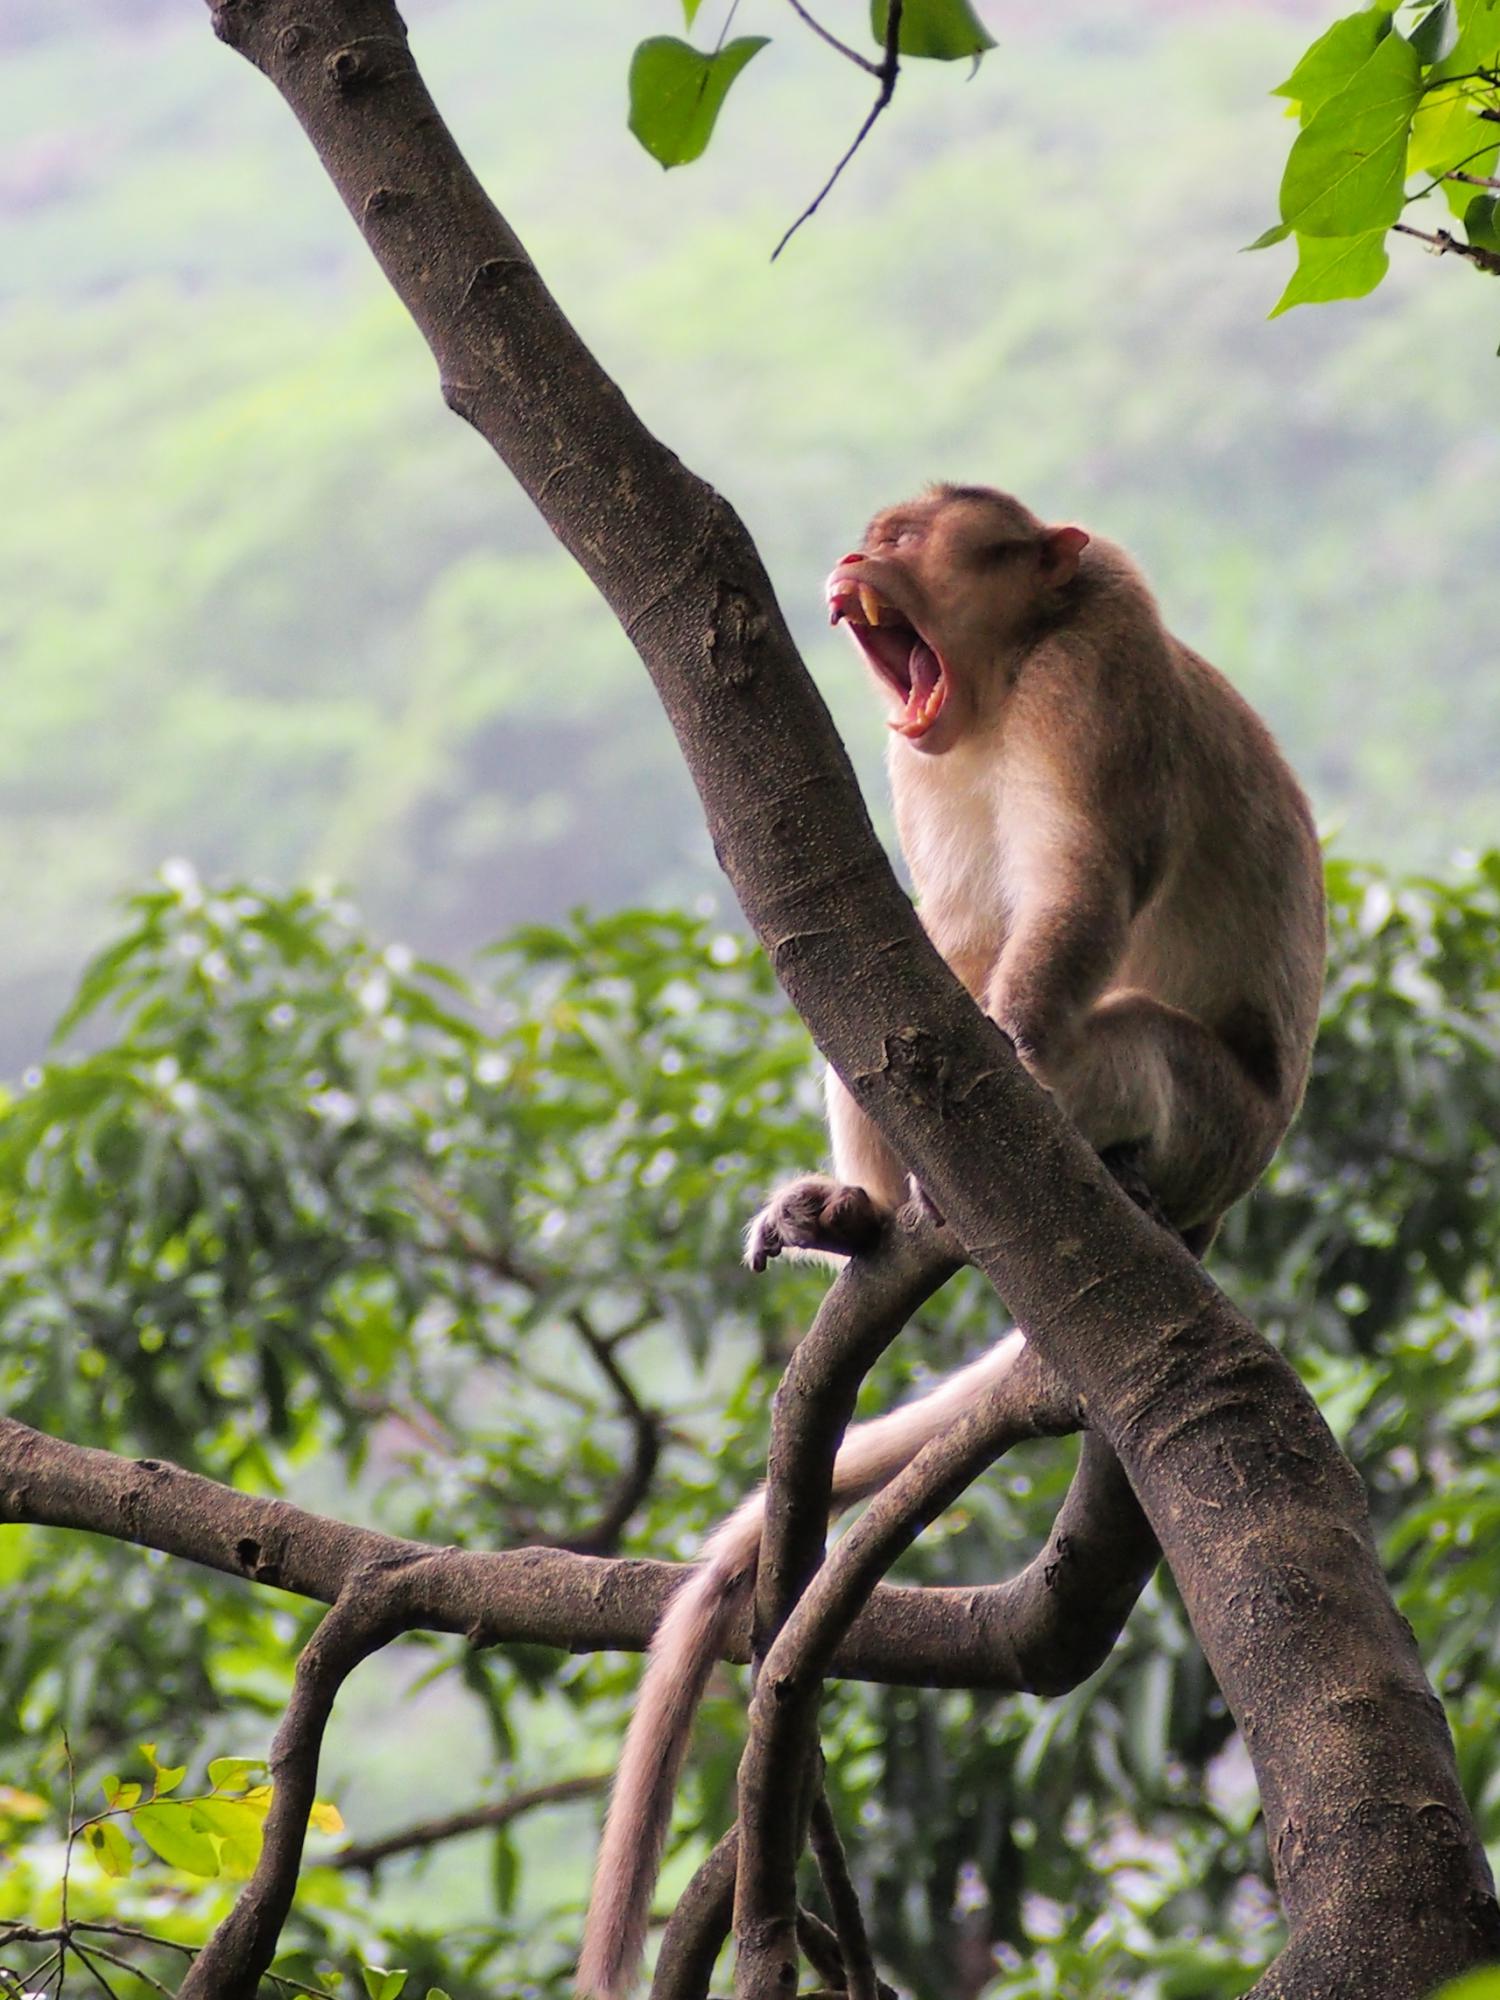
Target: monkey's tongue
{"x": 926, "y": 694}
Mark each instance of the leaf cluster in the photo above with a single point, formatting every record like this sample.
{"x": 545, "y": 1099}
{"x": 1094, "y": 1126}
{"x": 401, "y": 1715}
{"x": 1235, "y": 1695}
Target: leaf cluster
{"x": 1382, "y": 106}
{"x": 678, "y": 91}
{"x": 443, "y": 1250}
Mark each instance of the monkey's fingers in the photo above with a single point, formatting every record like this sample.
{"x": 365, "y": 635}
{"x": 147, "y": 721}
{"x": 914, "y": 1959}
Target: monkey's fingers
{"x": 815, "y": 1215}
{"x": 762, "y": 1243}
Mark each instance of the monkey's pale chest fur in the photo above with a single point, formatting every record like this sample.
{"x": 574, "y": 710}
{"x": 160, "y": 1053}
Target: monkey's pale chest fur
{"x": 973, "y": 827}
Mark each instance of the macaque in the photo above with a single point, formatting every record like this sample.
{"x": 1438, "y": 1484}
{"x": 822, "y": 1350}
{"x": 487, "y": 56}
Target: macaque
{"x": 1110, "y": 852}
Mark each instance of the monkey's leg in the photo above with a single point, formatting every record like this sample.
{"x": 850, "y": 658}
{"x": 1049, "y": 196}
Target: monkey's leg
{"x": 837, "y": 1215}
{"x": 1138, "y": 1073}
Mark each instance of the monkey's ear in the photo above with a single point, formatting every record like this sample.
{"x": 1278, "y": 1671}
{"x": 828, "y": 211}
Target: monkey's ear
{"x": 1061, "y": 548}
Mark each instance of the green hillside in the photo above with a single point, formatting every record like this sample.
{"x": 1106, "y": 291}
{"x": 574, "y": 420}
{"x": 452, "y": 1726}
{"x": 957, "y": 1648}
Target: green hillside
{"x": 264, "y": 603}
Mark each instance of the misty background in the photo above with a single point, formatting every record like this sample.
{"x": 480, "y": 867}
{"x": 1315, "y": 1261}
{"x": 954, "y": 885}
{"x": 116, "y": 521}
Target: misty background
{"x": 266, "y": 605}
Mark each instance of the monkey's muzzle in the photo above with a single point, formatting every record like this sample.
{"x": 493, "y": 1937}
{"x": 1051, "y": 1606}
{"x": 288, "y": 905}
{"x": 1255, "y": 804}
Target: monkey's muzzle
{"x": 903, "y": 659}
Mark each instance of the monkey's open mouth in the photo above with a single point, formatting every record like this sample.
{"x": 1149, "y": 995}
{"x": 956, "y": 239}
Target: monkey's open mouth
{"x": 895, "y": 649}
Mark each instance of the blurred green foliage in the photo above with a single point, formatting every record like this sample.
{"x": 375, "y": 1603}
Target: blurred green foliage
{"x": 311, "y": 1214}
{"x": 263, "y": 602}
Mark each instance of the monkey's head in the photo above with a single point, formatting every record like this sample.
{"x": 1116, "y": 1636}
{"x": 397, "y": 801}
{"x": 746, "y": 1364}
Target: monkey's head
{"x": 938, "y": 596}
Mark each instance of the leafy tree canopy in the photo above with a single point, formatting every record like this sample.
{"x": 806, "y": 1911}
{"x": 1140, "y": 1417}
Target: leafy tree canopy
{"x": 458, "y": 1256}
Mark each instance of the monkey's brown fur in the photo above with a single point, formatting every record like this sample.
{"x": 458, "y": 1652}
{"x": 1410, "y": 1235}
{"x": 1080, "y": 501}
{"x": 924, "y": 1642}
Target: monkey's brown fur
{"x": 1111, "y": 853}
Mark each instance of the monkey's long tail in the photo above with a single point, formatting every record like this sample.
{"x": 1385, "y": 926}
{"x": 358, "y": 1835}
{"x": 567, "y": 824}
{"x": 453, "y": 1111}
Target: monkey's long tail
{"x": 691, "y": 1638}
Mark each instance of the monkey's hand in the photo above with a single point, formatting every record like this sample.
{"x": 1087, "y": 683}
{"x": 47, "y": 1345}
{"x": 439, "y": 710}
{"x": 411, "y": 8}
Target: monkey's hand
{"x": 816, "y": 1215}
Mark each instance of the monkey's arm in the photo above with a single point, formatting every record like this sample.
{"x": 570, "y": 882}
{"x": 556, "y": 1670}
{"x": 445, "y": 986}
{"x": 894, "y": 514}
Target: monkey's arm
{"x": 1066, "y": 938}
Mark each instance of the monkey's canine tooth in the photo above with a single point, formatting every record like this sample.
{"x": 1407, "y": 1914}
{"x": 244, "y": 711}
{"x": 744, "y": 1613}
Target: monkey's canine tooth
{"x": 869, "y": 603}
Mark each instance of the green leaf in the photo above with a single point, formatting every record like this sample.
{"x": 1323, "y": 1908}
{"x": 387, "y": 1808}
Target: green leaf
{"x": 1334, "y": 267}
{"x": 1334, "y": 59}
{"x": 1436, "y": 34}
{"x": 101, "y": 981}
{"x": 382, "y": 1985}
{"x": 676, "y": 93}
{"x": 239, "y": 1827}
{"x": 1477, "y": 1986}
{"x": 164, "y": 1777}
{"x": 1277, "y": 233}
{"x": 1446, "y": 134}
{"x": 109, "y": 1847}
{"x": 230, "y": 1773}
{"x": 1346, "y": 170}
{"x": 937, "y": 30}
{"x": 174, "y": 1831}
{"x": 690, "y": 11}
{"x": 118, "y": 1795}
{"x": 1482, "y": 222}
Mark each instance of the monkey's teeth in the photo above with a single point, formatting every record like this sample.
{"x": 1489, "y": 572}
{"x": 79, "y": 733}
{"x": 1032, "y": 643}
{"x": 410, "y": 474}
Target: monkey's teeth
{"x": 869, "y": 603}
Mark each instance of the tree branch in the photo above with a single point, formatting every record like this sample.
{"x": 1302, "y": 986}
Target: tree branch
{"x": 782, "y": 1748}
{"x": 852, "y": 55}
{"x": 1262, "y": 1521}
{"x": 367, "y": 1856}
{"x": 888, "y": 71}
{"x": 546, "y": 1597}
{"x": 1443, "y": 243}
{"x": 698, "y": 1926}
{"x": 377, "y": 1604}
{"x": 856, "y": 1961}
{"x": 859, "y": 1317}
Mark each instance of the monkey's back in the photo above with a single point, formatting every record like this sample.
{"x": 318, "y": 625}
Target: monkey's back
{"x": 1233, "y": 931}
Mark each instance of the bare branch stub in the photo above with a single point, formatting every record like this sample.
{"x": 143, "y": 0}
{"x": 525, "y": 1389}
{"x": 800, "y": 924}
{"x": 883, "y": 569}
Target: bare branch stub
{"x": 1443, "y": 243}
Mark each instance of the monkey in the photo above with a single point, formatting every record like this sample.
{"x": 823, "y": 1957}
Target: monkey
{"x": 1111, "y": 854}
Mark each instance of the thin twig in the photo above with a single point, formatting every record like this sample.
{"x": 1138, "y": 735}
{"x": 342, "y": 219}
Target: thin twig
{"x": 86, "y": 1960}
{"x": 890, "y": 69}
{"x": 646, "y": 1426}
{"x": 139, "y": 1936}
{"x": 860, "y": 1979}
{"x": 854, "y": 56}
{"x": 368, "y": 1855}
{"x": 1441, "y": 243}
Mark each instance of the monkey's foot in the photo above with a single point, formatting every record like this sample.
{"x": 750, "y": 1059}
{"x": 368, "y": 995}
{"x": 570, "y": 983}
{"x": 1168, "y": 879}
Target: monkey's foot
{"x": 816, "y": 1214}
